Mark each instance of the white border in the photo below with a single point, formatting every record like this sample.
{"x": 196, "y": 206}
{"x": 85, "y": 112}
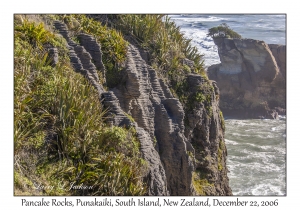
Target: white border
{"x": 8, "y": 8}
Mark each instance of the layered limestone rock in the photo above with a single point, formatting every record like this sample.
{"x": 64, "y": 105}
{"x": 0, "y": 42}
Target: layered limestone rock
{"x": 204, "y": 127}
{"x": 155, "y": 177}
{"x": 80, "y": 58}
{"x": 94, "y": 49}
{"x": 190, "y": 142}
{"x": 161, "y": 115}
{"x": 184, "y": 147}
{"x": 250, "y": 77}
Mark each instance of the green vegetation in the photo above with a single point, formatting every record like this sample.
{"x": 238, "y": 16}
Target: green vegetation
{"x": 222, "y": 120}
{"x": 113, "y": 45}
{"x": 220, "y": 154}
{"x": 200, "y": 185}
{"x": 129, "y": 117}
{"x": 223, "y": 30}
{"x": 154, "y": 141}
{"x": 166, "y": 44}
{"x": 34, "y": 33}
{"x": 60, "y": 135}
{"x": 191, "y": 155}
{"x": 203, "y": 94}
{"x": 163, "y": 38}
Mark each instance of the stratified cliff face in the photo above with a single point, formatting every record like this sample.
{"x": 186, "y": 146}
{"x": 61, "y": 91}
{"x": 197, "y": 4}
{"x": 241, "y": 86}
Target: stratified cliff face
{"x": 184, "y": 147}
{"x": 161, "y": 116}
{"x": 251, "y": 78}
{"x": 205, "y": 130}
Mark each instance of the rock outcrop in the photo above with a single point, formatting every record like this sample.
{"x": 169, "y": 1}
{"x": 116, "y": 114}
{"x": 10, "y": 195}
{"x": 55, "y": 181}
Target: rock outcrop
{"x": 52, "y": 54}
{"x": 205, "y": 130}
{"x": 184, "y": 147}
{"x": 142, "y": 97}
{"x": 80, "y": 58}
{"x": 155, "y": 178}
{"x": 190, "y": 154}
{"x": 251, "y": 78}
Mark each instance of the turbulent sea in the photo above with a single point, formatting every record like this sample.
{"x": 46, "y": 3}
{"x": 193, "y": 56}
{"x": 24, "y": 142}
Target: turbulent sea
{"x": 256, "y": 148}
{"x": 256, "y": 156}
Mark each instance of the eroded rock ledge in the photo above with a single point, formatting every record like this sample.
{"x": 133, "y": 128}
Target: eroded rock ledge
{"x": 251, "y": 78}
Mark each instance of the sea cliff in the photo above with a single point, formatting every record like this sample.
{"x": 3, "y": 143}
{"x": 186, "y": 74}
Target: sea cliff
{"x": 114, "y": 118}
{"x": 251, "y": 78}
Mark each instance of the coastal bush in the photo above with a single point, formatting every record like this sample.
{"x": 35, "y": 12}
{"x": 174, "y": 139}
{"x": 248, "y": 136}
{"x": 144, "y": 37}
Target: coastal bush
{"x": 200, "y": 97}
{"x": 34, "y": 33}
{"x": 110, "y": 174}
{"x": 60, "y": 133}
{"x": 113, "y": 45}
{"x": 223, "y": 30}
{"x": 167, "y": 45}
{"x": 203, "y": 94}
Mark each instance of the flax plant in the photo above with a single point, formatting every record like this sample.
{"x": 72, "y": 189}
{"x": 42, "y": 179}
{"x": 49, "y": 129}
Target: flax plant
{"x": 59, "y": 129}
{"x": 160, "y": 34}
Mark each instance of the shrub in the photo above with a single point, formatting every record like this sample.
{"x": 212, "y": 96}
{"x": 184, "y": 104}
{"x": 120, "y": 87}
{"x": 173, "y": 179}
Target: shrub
{"x": 33, "y": 32}
{"x": 224, "y": 31}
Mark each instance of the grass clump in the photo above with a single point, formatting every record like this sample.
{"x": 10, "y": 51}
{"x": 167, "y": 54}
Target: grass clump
{"x": 60, "y": 136}
{"x": 34, "y": 33}
{"x": 200, "y": 185}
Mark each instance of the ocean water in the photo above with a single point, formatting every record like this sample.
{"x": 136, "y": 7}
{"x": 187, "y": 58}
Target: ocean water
{"x": 256, "y": 156}
{"x": 268, "y": 28}
{"x": 256, "y": 148}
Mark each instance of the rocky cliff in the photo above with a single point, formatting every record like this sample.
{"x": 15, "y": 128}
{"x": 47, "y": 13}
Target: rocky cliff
{"x": 279, "y": 53}
{"x": 251, "y": 78}
{"x": 183, "y": 144}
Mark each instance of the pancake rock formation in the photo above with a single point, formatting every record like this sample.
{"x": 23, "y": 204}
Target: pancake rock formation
{"x": 184, "y": 147}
